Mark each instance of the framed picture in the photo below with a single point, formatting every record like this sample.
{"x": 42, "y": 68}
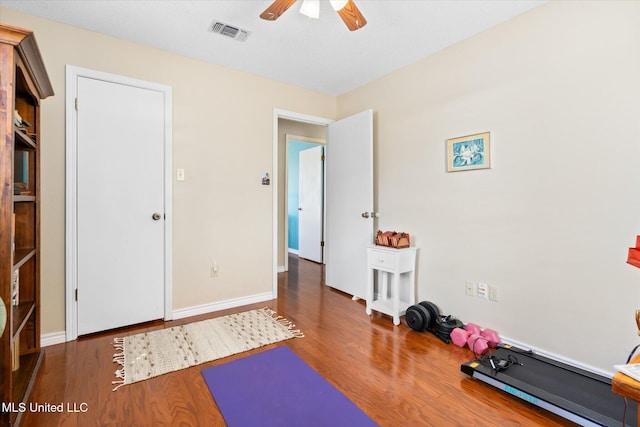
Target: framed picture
{"x": 469, "y": 152}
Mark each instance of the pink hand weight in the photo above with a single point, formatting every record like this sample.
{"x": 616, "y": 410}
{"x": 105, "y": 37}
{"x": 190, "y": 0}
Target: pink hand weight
{"x": 472, "y": 328}
{"x": 492, "y": 337}
{"x": 459, "y": 337}
{"x": 477, "y": 344}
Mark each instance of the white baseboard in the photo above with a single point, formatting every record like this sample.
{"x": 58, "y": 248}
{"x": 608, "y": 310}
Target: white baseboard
{"x": 181, "y": 313}
{"x": 53, "y": 338}
{"x": 557, "y": 357}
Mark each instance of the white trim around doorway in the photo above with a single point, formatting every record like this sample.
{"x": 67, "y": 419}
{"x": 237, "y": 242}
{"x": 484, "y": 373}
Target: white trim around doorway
{"x": 298, "y": 117}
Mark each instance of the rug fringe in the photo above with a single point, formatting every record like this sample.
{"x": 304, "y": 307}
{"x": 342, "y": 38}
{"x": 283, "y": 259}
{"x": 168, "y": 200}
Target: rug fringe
{"x": 118, "y": 358}
{"x": 120, "y": 384}
{"x": 118, "y": 344}
{"x": 297, "y": 333}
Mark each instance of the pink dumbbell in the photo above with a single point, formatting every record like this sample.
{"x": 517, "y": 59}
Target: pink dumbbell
{"x": 459, "y": 337}
{"x": 477, "y": 343}
{"x": 491, "y": 336}
{"x": 488, "y": 338}
{"x": 472, "y": 328}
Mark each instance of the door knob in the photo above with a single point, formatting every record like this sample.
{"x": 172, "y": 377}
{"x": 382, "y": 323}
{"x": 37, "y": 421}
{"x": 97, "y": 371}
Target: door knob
{"x": 156, "y": 216}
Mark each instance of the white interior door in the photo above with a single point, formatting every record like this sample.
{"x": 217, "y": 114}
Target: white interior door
{"x": 349, "y": 202}
{"x": 310, "y": 204}
{"x": 120, "y": 205}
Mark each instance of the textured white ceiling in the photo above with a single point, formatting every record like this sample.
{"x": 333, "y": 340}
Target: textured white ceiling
{"x": 321, "y": 55}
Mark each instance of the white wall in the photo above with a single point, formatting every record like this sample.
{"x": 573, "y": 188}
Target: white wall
{"x": 222, "y": 138}
{"x": 549, "y": 225}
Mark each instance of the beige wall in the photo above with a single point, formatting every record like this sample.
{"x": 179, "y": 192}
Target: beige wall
{"x": 222, "y": 137}
{"x": 550, "y": 223}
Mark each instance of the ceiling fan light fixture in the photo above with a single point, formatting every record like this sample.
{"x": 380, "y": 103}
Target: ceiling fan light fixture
{"x": 311, "y": 8}
{"x": 346, "y": 9}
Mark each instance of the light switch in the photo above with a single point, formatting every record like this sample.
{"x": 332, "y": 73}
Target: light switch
{"x": 180, "y": 174}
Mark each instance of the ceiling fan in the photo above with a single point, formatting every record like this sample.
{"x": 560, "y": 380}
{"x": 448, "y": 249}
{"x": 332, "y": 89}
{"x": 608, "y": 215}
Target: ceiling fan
{"x": 347, "y": 10}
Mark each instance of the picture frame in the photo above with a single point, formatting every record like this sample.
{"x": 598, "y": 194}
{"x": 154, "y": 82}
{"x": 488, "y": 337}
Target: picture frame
{"x": 469, "y": 152}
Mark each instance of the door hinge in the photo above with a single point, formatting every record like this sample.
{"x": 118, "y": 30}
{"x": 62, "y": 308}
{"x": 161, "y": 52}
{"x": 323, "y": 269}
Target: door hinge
{"x": 322, "y": 158}
{"x": 322, "y": 243}
{"x": 76, "y": 294}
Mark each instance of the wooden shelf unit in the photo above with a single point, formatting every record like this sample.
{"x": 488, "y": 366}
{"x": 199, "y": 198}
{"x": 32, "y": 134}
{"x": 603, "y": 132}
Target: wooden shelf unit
{"x": 23, "y": 84}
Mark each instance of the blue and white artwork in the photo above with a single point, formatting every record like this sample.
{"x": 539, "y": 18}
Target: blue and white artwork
{"x": 468, "y": 152}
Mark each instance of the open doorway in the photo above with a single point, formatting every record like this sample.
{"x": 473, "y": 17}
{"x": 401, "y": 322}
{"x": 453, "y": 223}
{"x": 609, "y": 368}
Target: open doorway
{"x": 350, "y": 208}
{"x": 301, "y": 125}
{"x": 304, "y": 227}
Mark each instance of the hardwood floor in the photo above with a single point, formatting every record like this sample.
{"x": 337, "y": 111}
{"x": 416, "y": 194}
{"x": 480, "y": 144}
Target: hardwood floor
{"x": 397, "y": 376}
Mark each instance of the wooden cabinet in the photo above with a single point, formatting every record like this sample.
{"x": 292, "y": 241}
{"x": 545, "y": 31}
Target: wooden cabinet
{"x": 23, "y": 83}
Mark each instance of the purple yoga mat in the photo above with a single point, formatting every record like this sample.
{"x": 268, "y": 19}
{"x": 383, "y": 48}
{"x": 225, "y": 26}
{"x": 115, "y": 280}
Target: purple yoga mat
{"x": 277, "y": 388}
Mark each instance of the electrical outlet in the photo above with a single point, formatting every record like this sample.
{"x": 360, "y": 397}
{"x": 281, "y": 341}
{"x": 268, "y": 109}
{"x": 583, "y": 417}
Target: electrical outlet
{"x": 483, "y": 291}
{"x": 470, "y": 288}
{"x": 493, "y": 293}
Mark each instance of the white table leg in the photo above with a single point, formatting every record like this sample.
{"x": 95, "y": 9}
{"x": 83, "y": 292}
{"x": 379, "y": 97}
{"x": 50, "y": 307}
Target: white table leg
{"x": 396, "y": 298}
{"x": 370, "y": 281}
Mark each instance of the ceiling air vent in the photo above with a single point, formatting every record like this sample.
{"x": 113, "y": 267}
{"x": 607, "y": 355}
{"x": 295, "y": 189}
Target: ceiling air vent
{"x": 229, "y": 31}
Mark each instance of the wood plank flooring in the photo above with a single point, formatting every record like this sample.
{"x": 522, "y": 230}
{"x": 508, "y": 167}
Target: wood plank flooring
{"x": 397, "y": 376}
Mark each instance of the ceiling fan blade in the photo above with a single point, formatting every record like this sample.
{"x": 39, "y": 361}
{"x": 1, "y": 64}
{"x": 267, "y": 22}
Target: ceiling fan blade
{"x": 275, "y": 9}
{"x": 352, "y": 16}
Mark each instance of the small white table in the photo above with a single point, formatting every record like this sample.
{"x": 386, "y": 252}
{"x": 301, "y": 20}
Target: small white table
{"x": 399, "y": 266}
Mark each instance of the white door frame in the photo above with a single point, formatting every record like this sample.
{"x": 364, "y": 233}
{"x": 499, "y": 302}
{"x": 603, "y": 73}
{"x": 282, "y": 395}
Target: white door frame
{"x": 298, "y": 117}
{"x": 71, "y": 238}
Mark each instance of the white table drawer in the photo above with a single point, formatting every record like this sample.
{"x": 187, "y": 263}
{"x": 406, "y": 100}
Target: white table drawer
{"x": 382, "y": 259}
{"x": 388, "y": 259}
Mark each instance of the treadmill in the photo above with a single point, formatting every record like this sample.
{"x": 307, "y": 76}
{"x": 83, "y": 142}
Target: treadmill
{"x": 572, "y": 393}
